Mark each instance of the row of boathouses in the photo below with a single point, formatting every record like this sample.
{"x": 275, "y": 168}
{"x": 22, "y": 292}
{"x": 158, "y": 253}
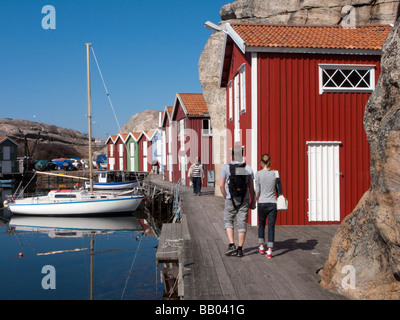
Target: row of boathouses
{"x": 295, "y": 92}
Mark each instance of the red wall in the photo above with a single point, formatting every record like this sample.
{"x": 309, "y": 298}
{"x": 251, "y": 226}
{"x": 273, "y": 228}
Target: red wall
{"x": 291, "y": 112}
{"x": 118, "y": 156}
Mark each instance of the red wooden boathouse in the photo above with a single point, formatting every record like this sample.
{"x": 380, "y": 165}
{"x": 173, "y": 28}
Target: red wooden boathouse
{"x": 299, "y": 93}
{"x": 188, "y": 135}
{"x": 166, "y": 126}
{"x": 111, "y": 152}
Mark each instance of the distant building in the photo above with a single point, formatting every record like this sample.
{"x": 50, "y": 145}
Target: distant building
{"x": 188, "y": 136}
{"x": 8, "y": 156}
{"x": 133, "y": 151}
{"x": 111, "y": 153}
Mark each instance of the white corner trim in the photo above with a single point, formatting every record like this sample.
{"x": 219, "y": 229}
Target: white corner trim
{"x": 236, "y": 38}
{"x": 254, "y": 121}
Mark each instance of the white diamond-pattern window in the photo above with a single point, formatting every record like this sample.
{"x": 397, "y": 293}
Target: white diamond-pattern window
{"x": 346, "y": 78}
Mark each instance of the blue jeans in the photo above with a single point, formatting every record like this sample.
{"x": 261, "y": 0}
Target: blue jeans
{"x": 266, "y": 210}
{"x": 196, "y": 185}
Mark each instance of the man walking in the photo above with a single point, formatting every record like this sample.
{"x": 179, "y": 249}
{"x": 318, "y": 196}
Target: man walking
{"x": 236, "y": 185}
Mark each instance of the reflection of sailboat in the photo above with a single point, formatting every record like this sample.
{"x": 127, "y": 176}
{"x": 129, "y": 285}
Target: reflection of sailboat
{"x": 77, "y": 202}
{"x": 76, "y": 226}
{"x": 67, "y": 227}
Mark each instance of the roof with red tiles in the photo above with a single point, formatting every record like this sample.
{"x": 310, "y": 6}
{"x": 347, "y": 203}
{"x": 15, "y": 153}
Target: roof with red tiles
{"x": 136, "y": 135}
{"x": 369, "y": 37}
{"x": 194, "y": 103}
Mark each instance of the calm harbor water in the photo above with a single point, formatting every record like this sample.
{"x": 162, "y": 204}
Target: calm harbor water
{"x": 77, "y": 258}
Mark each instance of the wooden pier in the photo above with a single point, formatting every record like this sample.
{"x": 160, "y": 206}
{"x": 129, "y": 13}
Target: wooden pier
{"x": 207, "y": 274}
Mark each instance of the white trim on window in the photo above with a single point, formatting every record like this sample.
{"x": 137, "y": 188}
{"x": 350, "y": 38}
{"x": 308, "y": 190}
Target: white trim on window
{"x": 242, "y": 75}
{"x": 230, "y": 101}
{"x": 206, "y": 129}
{"x": 236, "y": 107}
{"x": 346, "y": 78}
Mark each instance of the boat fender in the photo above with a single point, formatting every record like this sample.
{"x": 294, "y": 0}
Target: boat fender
{"x": 5, "y": 203}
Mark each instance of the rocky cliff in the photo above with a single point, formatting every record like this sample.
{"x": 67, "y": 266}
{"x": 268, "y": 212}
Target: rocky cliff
{"x": 44, "y": 141}
{"x": 142, "y": 121}
{"x": 47, "y": 141}
{"x": 364, "y": 260}
{"x": 19, "y": 129}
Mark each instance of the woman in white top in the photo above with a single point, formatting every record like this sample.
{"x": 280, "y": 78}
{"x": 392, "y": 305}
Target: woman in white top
{"x": 196, "y": 175}
{"x": 266, "y": 181}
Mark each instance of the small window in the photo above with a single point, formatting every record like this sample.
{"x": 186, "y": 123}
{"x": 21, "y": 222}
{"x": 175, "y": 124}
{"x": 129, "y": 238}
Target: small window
{"x": 206, "y": 129}
{"x": 346, "y": 78}
{"x": 65, "y": 196}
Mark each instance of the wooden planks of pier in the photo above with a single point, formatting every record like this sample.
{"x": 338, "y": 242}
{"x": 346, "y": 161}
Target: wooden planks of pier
{"x": 210, "y": 275}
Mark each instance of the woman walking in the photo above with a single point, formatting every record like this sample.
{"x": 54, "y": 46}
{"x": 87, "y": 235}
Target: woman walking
{"x": 266, "y": 181}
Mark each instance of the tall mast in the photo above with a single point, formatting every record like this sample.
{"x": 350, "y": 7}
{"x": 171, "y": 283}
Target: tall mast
{"x": 89, "y": 116}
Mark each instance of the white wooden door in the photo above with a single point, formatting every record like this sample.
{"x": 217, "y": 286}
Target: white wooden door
{"x": 6, "y": 153}
{"x": 183, "y": 165}
{"x": 323, "y": 181}
{"x": 170, "y": 167}
{"x": 144, "y": 155}
{"x": 236, "y": 109}
{"x": 111, "y": 163}
{"x": 132, "y": 155}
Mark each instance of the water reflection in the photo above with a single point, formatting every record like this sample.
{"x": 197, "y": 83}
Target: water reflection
{"x": 93, "y": 257}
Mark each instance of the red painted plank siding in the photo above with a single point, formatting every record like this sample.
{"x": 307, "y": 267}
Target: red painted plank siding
{"x": 291, "y": 112}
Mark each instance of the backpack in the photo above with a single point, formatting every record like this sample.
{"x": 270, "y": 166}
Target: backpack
{"x": 237, "y": 184}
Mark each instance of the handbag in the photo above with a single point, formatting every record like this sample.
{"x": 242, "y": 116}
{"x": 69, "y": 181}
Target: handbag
{"x": 282, "y": 203}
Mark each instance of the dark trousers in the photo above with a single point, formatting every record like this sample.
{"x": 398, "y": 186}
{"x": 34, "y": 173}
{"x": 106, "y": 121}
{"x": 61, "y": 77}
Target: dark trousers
{"x": 266, "y": 211}
{"x": 196, "y": 185}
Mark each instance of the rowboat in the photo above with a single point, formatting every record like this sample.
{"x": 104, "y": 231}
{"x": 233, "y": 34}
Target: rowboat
{"x": 66, "y": 202}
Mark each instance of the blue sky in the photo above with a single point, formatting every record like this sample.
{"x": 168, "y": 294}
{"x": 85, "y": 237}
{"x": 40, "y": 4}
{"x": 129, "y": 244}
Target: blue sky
{"x": 148, "y": 50}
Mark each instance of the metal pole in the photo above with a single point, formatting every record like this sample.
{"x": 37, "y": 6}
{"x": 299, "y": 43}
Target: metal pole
{"x": 89, "y": 116}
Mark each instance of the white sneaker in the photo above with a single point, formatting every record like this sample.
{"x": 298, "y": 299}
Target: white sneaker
{"x": 269, "y": 254}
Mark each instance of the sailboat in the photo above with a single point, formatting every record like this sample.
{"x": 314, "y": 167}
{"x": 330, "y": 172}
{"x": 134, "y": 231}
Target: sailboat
{"x": 77, "y": 202}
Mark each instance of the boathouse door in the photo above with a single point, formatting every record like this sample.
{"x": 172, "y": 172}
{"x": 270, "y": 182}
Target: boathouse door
{"x": 323, "y": 181}
{"x": 145, "y": 156}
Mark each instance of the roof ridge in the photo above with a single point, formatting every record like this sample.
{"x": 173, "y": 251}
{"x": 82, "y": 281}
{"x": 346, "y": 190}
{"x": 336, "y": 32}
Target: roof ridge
{"x": 309, "y": 26}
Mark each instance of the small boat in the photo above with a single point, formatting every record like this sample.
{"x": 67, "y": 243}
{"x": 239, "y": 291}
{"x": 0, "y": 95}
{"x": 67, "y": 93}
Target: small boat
{"x": 115, "y": 180}
{"x": 66, "y": 202}
{"x": 7, "y": 181}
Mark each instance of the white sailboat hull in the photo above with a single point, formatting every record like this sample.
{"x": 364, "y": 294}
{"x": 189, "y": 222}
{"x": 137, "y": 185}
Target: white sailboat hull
{"x": 83, "y": 203}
